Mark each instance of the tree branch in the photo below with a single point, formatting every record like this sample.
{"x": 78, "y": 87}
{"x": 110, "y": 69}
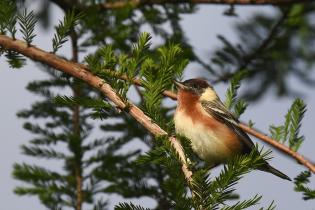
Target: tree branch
{"x": 138, "y": 3}
{"x": 279, "y": 146}
{"x": 77, "y": 71}
{"x": 81, "y": 72}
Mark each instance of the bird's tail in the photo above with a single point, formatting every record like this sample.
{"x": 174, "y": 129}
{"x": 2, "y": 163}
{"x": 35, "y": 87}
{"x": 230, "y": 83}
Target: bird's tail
{"x": 270, "y": 169}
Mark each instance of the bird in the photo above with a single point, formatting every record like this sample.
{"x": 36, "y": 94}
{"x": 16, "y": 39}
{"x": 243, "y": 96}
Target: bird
{"x": 213, "y": 130}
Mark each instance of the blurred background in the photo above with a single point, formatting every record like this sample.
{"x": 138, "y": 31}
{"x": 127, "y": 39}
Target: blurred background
{"x": 275, "y": 44}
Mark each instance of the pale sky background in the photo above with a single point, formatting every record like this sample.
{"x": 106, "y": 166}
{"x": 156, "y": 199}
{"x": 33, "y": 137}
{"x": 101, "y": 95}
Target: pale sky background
{"x": 201, "y": 28}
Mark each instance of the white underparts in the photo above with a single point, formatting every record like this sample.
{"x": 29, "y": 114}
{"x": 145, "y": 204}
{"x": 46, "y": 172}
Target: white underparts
{"x": 205, "y": 142}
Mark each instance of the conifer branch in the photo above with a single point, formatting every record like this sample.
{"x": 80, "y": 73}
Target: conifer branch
{"x": 138, "y": 3}
{"x": 81, "y": 72}
{"x": 77, "y": 71}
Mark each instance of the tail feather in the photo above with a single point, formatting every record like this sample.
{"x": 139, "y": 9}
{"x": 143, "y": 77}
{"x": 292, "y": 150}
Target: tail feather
{"x": 270, "y": 169}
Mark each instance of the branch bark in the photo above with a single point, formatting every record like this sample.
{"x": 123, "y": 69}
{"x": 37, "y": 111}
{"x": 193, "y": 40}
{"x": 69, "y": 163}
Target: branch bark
{"x": 138, "y": 3}
{"x": 279, "y": 146}
{"x": 81, "y": 72}
{"x": 76, "y": 70}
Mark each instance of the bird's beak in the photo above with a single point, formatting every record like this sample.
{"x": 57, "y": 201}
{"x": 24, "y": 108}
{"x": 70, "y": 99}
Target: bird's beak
{"x": 179, "y": 85}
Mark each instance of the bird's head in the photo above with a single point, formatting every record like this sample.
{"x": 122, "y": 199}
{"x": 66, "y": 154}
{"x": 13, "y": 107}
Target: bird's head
{"x": 197, "y": 88}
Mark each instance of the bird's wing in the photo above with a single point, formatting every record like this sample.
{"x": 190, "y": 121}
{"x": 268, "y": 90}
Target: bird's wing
{"x": 222, "y": 114}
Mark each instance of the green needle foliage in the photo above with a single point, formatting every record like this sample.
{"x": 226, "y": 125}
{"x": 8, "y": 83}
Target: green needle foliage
{"x": 27, "y": 23}
{"x": 8, "y": 17}
{"x": 231, "y": 102}
{"x": 54, "y": 189}
{"x": 289, "y": 132}
{"x": 270, "y": 207}
{"x": 89, "y": 161}
{"x": 212, "y": 194}
{"x": 158, "y": 76}
{"x": 126, "y": 206}
{"x": 8, "y": 20}
{"x": 101, "y": 151}
{"x": 14, "y": 59}
{"x": 63, "y": 29}
{"x": 106, "y": 64}
{"x": 99, "y": 106}
{"x": 209, "y": 193}
{"x": 300, "y": 185}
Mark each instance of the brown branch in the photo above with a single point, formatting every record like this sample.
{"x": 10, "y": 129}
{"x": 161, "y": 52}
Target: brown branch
{"x": 77, "y": 71}
{"x": 138, "y": 3}
{"x": 279, "y": 146}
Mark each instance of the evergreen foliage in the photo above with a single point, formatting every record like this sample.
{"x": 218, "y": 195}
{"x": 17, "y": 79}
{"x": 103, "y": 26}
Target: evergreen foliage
{"x": 27, "y": 23}
{"x": 127, "y": 206}
{"x": 93, "y": 159}
{"x": 106, "y": 64}
{"x": 158, "y": 76}
{"x": 63, "y": 29}
{"x": 14, "y": 59}
{"x": 289, "y": 132}
{"x": 54, "y": 189}
{"x": 239, "y": 105}
{"x": 100, "y": 108}
{"x": 8, "y": 17}
{"x": 91, "y": 168}
{"x": 215, "y": 193}
{"x": 300, "y": 181}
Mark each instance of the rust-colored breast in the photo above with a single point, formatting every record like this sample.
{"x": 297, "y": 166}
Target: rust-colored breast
{"x": 199, "y": 116}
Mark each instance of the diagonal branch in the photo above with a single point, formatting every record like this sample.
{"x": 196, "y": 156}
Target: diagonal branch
{"x": 80, "y": 71}
{"x": 280, "y": 147}
{"x": 77, "y": 71}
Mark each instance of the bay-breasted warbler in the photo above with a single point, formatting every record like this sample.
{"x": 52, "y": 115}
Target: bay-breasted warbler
{"x": 212, "y": 129}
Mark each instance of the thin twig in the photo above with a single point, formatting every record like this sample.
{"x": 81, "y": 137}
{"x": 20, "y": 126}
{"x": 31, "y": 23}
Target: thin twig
{"x": 279, "y": 146}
